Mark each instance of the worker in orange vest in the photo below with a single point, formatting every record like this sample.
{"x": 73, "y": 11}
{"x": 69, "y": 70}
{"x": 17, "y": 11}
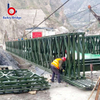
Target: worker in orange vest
{"x": 56, "y": 65}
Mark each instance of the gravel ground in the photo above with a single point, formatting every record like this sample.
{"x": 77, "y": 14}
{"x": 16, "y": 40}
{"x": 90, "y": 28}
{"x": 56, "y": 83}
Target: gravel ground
{"x": 40, "y": 95}
{"x": 94, "y": 76}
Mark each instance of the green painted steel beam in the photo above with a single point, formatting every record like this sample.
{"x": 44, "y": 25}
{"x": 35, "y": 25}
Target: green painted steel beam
{"x": 64, "y": 76}
{"x": 42, "y": 51}
{"x": 21, "y": 80}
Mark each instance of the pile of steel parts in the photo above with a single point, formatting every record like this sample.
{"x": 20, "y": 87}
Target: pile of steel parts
{"x": 21, "y": 80}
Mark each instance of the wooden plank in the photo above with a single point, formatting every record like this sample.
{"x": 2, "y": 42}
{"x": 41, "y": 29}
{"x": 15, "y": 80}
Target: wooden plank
{"x": 97, "y": 94}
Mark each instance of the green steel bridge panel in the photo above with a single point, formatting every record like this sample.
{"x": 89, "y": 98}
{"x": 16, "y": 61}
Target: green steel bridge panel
{"x": 81, "y": 83}
{"x": 21, "y": 80}
{"x": 92, "y": 44}
{"x": 43, "y": 51}
{"x": 81, "y": 52}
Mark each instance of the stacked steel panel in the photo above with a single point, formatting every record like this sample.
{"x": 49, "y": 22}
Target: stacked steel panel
{"x": 21, "y": 80}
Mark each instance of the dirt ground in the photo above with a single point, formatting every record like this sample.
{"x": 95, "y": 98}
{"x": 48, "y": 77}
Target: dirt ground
{"x": 40, "y": 95}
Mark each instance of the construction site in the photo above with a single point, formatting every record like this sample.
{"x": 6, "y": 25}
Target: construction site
{"x": 28, "y": 49}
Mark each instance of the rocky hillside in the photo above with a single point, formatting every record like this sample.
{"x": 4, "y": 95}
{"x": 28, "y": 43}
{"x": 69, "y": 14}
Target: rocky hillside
{"x": 94, "y": 29}
{"x": 73, "y": 7}
{"x": 48, "y": 6}
{"x": 15, "y": 28}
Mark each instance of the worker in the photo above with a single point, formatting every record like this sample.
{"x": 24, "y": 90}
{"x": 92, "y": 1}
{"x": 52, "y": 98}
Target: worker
{"x": 56, "y": 65}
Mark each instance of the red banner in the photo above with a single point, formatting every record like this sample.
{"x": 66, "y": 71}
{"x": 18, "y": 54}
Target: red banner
{"x": 36, "y": 34}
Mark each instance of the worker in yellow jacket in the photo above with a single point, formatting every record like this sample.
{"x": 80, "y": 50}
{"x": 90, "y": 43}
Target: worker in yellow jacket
{"x": 56, "y": 65}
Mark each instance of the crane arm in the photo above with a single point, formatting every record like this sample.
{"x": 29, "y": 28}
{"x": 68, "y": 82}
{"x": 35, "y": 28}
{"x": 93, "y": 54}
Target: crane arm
{"x": 95, "y": 15}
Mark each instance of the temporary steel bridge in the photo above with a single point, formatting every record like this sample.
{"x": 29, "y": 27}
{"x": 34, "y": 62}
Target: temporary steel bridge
{"x": 81, "y": 52}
